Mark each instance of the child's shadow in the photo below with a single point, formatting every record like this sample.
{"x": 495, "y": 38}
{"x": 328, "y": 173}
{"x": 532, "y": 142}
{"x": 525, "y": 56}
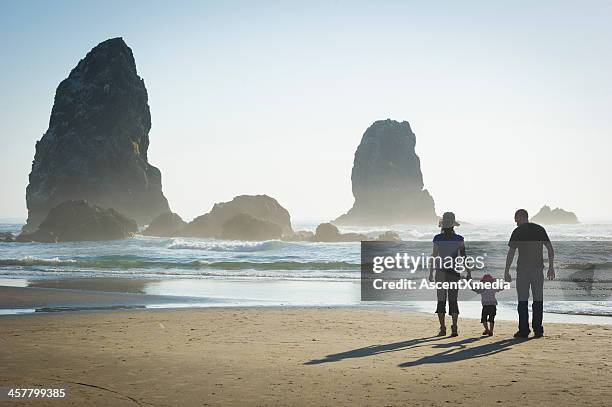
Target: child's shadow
{"x": 459, "y": 351}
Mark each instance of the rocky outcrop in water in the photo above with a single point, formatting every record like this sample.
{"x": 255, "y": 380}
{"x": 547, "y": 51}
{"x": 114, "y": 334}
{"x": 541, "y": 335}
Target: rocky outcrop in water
{"x": 7, "y": 237}
{"x": 97, "y": 141}
{"x": 81, "y": 221}
{"x": 299, "y": 236}
{"x": 557, "y": 216}
{"x": 329, "y": 233}
{"x": 326, "y": 232}
{"x": 387, "y": 179}
{"x": 261, "y": 207}
{"x": 245, "y": 227}
{"x": 166, "y": 224}
{"x": 389, "y": 236}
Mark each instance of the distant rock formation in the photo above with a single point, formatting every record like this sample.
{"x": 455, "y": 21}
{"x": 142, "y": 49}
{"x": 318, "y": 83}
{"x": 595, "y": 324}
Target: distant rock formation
{"x": 245, "y": 227}
{"x": 555, "y": 216}
{"x": 387, "y": 179}
{"x": 299, "y": 236}
{"x": 261, "y": 207}
{"x": 97, "y": 141}
{"x": 81, "y": 221}
{"x": 389, "y": 236}
{"x": 326, "y": 232}
{"x": 7, "y": 237}
{"x": 329, "y": 233}
{"x": 166, "y": 224}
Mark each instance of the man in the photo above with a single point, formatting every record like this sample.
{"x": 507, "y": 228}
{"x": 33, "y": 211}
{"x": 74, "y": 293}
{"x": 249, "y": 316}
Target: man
{"x": 529, "y": 239}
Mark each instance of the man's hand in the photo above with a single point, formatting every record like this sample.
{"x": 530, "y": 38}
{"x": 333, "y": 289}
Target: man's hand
{"x": 509, "y": 260}
{"x": 551, "y": 273}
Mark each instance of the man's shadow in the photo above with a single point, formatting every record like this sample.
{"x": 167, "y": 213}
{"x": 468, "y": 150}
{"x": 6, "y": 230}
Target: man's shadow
{"x": 456, "y": 351}
{"x": 375, "y": 349}
{"x": 459, "y": 351}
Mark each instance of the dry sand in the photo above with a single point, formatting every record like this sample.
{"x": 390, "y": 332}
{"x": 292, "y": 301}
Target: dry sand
{"x": 303, "y": 357}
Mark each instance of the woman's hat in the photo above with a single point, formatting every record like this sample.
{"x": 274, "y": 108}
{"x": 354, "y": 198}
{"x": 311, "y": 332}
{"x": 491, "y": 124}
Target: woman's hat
{"x": 448, "y": 220}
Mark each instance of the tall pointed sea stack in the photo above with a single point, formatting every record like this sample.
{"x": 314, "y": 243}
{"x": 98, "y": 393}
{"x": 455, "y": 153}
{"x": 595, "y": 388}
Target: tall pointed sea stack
{"x": 387, "y": 179}
{"x": 97, "y": 141}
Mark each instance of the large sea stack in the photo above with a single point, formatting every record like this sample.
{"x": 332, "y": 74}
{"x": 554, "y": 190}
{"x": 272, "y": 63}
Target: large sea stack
{"x": 387, "y": 179}
{"x": 97, "y": 141}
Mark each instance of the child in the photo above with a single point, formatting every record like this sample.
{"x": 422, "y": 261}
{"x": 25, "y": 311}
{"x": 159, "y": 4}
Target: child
{"x": 489, "y": 305}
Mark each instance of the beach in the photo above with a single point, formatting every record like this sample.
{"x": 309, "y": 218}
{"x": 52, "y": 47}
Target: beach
{"x": 298, "y": 356}
{"x": 175, "y": 321}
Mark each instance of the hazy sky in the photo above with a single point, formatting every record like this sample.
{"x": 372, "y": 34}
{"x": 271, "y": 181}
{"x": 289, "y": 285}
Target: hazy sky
{"x": 510, "y": 101}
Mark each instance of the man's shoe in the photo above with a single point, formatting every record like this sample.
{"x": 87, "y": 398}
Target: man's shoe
{"x": 538, "y": 334}
{"x": 521, "y": 335}
{"x": 454, "y": 331}
{"x": 442, "y": 331}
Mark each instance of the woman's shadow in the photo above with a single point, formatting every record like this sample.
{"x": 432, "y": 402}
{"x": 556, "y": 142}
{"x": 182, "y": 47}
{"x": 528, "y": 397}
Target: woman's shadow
{"x": 374, "y": 350}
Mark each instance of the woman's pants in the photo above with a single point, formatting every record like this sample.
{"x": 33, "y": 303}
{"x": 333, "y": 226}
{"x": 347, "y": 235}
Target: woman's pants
{"x": 450, "y": 294}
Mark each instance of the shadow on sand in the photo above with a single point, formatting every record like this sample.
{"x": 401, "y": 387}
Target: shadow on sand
{"x": 456, "y": 351}
{"x": 374, "y": 350}
{"x": 459, "y": 351}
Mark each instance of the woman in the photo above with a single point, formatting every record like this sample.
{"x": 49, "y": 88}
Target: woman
{"x": 447, "y": 246}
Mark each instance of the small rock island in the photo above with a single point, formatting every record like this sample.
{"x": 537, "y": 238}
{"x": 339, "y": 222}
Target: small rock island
{"x": 74, "y": 221}
{"x": 557, "y": 216}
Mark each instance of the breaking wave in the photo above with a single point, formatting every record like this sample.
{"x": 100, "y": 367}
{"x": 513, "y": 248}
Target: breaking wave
{"x": 226, "y": 246}
{"x": 126, "y": 263}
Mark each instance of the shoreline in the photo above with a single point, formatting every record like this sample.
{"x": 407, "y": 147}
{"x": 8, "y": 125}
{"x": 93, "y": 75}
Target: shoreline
{"x": 299, "y": 356}
{"x": 111, "y": 294}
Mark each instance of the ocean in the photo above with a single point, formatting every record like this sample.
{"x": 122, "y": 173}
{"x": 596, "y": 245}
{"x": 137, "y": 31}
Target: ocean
{"x": 211, "y": 272}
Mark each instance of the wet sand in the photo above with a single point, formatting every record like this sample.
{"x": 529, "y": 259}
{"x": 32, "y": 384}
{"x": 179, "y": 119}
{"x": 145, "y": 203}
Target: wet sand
{"x": 298, "y": 356}
{"x": 44, "y": 298}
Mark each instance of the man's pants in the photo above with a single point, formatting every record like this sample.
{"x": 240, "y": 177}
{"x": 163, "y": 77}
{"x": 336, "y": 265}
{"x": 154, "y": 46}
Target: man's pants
{"x": 524, "y": 281}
